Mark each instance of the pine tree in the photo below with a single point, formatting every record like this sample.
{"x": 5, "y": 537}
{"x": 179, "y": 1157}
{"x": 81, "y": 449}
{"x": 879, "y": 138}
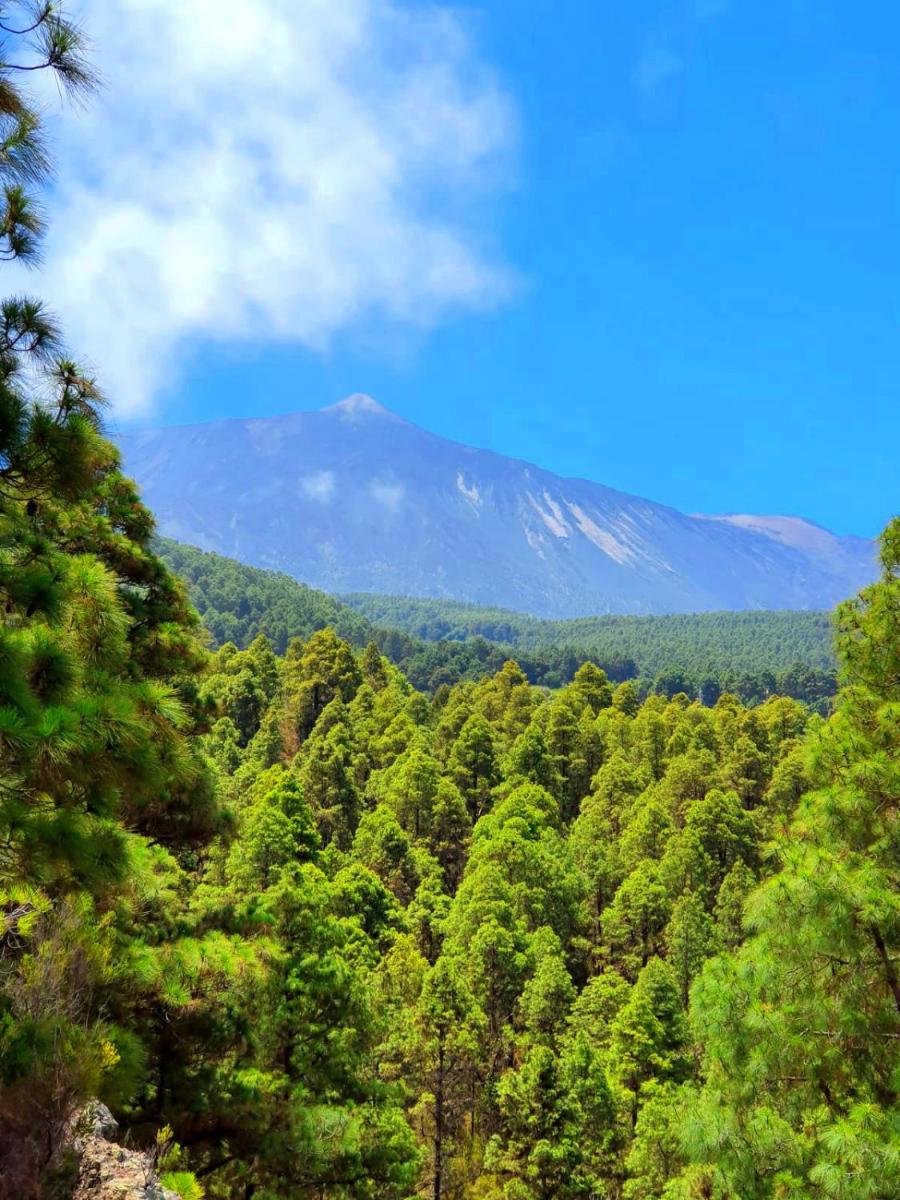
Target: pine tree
{"x": 593, "y": 687}
{"x": 450, "y": 1029}
{"x": 690, "y": 939}
{"x": 556, "y": 1121}
{"x": 655, "y": 1154}
{"x": 548, "y": 995}
{"x": 529, "y": 759}
{"x": 473, "y": 765}
{"x": 635, "y": 920}
{"x": 99, "y": 776}
{"x": 802, "y": 1024}
{"x": 648, "y": 1036}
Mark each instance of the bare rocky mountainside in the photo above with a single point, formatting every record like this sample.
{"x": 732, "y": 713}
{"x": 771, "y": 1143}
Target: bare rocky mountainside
{"x": 354, "y": 498}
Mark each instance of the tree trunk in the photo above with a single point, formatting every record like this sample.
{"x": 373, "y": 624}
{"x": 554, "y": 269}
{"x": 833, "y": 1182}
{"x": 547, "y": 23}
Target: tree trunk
{"x": 889, "y": 969}
{"x": 439, "y": 1126}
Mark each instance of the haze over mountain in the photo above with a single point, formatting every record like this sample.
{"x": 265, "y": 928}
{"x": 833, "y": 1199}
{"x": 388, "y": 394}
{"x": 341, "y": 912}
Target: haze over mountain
{"x": 354, "y": 498}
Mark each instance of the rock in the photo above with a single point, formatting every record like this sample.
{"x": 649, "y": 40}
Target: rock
{"x": 106, "y": 1170}
{"x": 95, "y": 1118}
{"x": 111, "y": 1172}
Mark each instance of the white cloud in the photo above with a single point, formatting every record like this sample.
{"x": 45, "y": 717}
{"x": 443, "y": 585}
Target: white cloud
{"x": 271, "y": 170}
{"x": 318, "y": 486}
{"x": 387, "y": 493}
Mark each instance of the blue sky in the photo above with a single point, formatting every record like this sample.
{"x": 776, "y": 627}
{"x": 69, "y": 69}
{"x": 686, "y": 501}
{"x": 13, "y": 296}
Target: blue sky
{"x": 653, "y": 244}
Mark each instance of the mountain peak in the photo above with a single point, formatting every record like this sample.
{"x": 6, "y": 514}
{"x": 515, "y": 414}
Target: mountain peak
{"x": 791, "y": 531}
{"x": 356, "y": 499}
{"x": 357, "y": 405}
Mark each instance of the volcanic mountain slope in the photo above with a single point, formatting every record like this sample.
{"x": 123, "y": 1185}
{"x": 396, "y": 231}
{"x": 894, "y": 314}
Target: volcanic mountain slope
{"x": 353, "y": 498}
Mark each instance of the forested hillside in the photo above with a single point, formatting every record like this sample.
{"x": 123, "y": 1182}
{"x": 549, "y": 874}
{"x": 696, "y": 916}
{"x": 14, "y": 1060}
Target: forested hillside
{"x": 737, "y": 641}
{"x": 754, "y": 655}
{"x": 527, "y": 888}
{"x": 532, "y": 888}
{"x": 237, "y": 603}
{"x": 490, "y": 943}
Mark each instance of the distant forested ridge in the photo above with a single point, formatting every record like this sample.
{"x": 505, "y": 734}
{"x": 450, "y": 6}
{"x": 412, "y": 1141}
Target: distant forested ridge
{"x": 751, "y": 654}
{"x": 739, "y": 641}
{"x": 237, "y": 603}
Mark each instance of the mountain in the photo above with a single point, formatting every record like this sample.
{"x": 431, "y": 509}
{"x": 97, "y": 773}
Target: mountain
{"x": 354, "y": 498}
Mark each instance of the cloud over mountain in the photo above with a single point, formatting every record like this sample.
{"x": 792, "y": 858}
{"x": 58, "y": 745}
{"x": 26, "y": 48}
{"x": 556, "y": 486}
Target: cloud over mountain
{"x": 272, "y": 171}
{"x": 353, "y": 498}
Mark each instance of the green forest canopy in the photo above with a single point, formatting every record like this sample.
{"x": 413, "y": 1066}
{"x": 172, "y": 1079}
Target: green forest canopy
{"x": 435, "y": 642}
{"x": 739, "y": 641}
{"x": 497, "y": 942}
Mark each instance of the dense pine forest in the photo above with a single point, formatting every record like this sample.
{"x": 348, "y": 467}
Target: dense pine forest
{"x": 332, "y": 936}
{"x": 313, "y": 931}
{"x": 752, "y": 655}
{"x": 725, "y": 640}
